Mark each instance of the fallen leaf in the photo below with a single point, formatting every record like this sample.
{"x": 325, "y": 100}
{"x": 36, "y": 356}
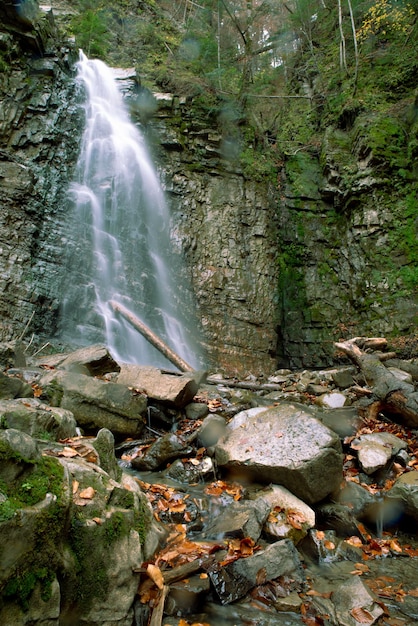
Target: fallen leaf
{"x": 76, "y": 485}
{"x": 261, "y": 576}
{"x": 154, "y": 572}
{"x": 329, "y": 545}
{"x": 362, "y": 615}
{"x": 68, "y": 452}
{"x": 87, "y": 494}
{"x": 97, "y": 520}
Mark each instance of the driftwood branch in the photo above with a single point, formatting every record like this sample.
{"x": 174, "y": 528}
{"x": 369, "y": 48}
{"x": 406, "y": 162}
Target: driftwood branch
{"x": 390, "y": 393}
{"x": 151, "y": 336}
{"x": 228, "y": 382}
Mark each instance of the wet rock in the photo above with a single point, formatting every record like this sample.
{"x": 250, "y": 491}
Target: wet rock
{"x": 164, "y": 449}
{"x": 339, "y": 518}
{"x": 355, "y": 497}
{"x": 352, "y": 600}
{"x": 191, "y": 470}
{"x": 104, "y": 445}
{"x": 176, "y": 390}
{"x": 343, "y": 421}
{"x": 233, "y": 580}
{"x": 196, "y": 410}
{"x": 11, "y": 387}
{"x": 376, "y": 449}
{"x": 18, "y": 452}
{"x": 37, "y": 419}
{"x": 96, "y": 404}
{"x": 344, "y": 377}
{"x": 285, "y": 445}
{"x": 186, "y": 595}
{"x": 405, "y": 492}
{"x": 212, "y": 429}
{"x": 289, "y": 516}
{"x": 239, "y": 520}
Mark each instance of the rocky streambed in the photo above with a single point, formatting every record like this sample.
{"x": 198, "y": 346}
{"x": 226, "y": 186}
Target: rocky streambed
{"x": 131, "y": 495}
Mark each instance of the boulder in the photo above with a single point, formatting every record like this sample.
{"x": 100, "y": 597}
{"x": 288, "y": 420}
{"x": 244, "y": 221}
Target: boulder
{"x": 376, "y": 449}
{"x": 233, "y": 580}
{"x": 37, "y": 419}
{"x": 354, "y": 603}
{"x": 72, "y": 538}
{"x": 405, "y": 492}
{"x": 95, "y": 360}
{"x": 171, "y": 388}
{"x": 289, "y": 517}
{"x": 11, "y": 387}
{"x": 95, "y": 403}
{"x": 239, "y": 520}
{"x": 285, "y": 445}
{"x": 164, "y": 449}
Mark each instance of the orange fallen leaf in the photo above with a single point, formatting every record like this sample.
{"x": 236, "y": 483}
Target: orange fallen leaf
{"x": 362, "y": 615}
{"x": 68, "y": 452}
{"x": 329, "y": 545}
{"x": 76, "y": 485}
{"x": 154, "y": 572}
{"x": 87, "y": 494}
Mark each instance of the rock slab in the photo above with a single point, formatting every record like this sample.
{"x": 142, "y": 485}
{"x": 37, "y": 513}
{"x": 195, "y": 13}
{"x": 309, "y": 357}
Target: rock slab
{"x": 284, "y": 445}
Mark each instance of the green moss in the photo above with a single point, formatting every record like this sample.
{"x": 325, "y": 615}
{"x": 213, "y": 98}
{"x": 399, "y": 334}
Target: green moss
{"x": 22, "y": 586}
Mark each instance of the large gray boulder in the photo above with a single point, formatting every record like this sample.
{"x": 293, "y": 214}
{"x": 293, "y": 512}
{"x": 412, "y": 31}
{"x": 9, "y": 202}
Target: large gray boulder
{"x": 284, "y": 445}
{"x": 95, "y": 403}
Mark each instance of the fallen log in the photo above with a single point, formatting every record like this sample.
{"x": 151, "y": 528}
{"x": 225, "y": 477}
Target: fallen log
{"x": 150, "y": 336}
{"x": 389, "y": 392}
{"x": 229, "y": 382}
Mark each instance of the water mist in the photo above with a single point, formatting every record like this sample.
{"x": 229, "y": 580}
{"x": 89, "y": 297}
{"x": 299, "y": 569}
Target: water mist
{"x": 122, "y": 249}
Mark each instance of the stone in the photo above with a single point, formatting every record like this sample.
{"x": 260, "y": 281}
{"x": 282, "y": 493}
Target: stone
{"x": 11, "y": 387}
{"x": 211, "y": 430}
{"x": 233, "y": 580}
{"x": 176, "y": 390}
{"x": 196, "y": 410}
{"x": 405, "y": 492}
{"x": 96, "y": 404}
{"x": 18, "y": 452}
{"x": 333, "y": 400}
{"x": 289, "y": 516}
{"x": 164, "y": 449}
{"x": 376, "y": 449}
{"x": 37, "y": 419}
{"x": 95, "y": 360}
{"x": 188, "y": 472}
{"x": 239, "y": 520}
{"x": 353, "y": 594}
{"x": 285, "y": 445}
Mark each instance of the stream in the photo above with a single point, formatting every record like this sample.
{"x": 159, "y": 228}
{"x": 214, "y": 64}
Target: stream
{"x": 384, "y": 559}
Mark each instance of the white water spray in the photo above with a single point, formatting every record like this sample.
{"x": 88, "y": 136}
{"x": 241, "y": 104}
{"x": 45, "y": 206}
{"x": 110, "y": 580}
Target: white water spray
{"x": 122, "y": 241}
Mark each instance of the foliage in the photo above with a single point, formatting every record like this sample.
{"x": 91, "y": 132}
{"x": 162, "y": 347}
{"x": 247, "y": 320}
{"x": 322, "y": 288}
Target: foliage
{"x": 384, "y": 19}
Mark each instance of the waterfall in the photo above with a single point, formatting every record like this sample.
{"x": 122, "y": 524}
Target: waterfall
{"x": 121, "y": 225}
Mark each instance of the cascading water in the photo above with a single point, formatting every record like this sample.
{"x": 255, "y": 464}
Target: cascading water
{"x": 122, "y": 239}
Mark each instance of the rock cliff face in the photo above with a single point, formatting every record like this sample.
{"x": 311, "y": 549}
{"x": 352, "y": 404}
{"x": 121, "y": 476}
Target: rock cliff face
{"x": 226, "y": 225}
{"x": 279, "y": 270}
{"x": 38, "y": 147}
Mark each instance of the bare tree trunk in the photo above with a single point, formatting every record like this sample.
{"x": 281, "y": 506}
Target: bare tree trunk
{"x": 356, "y": 55}
{"x": 151, "y": 336}
{"x": 343, "y": 60}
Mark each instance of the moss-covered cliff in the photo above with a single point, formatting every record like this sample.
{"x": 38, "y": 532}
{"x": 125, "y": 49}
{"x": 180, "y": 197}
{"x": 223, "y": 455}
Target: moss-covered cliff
{"x": 290, "y": 170}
